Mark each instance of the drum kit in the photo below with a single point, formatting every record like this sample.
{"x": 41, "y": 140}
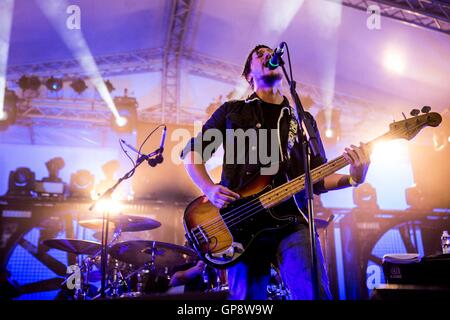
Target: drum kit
{"x": 137, "y": 268}
{"x": 134, "y": 268}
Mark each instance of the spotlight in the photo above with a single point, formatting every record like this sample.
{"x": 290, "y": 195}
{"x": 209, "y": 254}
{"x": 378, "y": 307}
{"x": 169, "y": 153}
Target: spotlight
{"x": 329, "y": 133}
{"x": 328, "y": 121}
{"x": 51, "y": 186}
{"x": 81, "y": 184}
{"x": 8, "y": 114}
{"x": 29, "y": 83}
{"x": 78, "y": 85}
{"x": 394, "y": 61}
{"x": 109, "y": 86}
{"x": 416, "y": 198}
{"x": 365, "y": 196}
{"x": 21, "y": 182}
{"x": 54, "y": 165}
{"x": 126, "y": 107}
{"x": 54, "y": 84}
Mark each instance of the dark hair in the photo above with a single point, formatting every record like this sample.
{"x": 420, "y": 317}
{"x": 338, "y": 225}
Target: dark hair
{"x": 246, "y": 70}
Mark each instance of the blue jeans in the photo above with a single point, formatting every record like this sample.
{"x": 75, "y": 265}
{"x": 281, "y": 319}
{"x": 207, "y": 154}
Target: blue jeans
{"x": 248, "y": 279}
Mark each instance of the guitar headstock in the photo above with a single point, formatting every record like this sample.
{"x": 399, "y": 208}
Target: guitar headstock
{"x": 409, "y": 128}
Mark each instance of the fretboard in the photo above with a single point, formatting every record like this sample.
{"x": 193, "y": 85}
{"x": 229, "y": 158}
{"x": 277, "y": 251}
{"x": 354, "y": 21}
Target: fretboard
{"x": 288, "y": 189}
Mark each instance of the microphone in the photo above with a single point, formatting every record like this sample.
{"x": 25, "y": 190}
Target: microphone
{"x": 163, "y": 140}
{"x": 275, "y": 60}
{"x": 130, "y": 147}
{"x": 153, "y": 162}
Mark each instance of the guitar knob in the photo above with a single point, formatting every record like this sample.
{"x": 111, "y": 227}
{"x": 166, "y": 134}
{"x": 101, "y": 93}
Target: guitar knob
{"x": 414, "y": 112}
{"x": 426, "y": 109}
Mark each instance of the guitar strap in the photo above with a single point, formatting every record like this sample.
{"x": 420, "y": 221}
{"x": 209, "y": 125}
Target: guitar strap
{"x": 291, "y": 140}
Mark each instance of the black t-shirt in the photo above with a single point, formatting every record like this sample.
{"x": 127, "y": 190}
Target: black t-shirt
{"x": 271, "y": 114}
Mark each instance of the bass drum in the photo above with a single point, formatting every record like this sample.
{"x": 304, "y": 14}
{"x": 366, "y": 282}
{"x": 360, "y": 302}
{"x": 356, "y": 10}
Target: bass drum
{"x": 146, "y": 282}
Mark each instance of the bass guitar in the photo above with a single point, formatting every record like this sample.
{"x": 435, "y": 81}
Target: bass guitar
{"x": 221, "y": 236}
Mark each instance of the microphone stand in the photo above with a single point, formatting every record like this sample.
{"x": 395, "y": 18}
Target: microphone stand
{"x": 309, "y": 144}
{"x": 105, "y": 226}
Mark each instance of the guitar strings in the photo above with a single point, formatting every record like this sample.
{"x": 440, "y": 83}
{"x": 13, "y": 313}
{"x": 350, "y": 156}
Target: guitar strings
{"x": 222, "y": 221}
{"x": 245, "y": 206}
{"x": 228, "y": 217}
{"x": 250, "y": 211}
{"x": 316, "y": 171}
{"x": 298, "y": 182}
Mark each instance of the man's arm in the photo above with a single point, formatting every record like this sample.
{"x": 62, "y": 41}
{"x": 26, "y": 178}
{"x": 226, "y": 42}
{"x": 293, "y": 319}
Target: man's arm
{"x": 219, "y": 195}
{"x": 359, "y": 159}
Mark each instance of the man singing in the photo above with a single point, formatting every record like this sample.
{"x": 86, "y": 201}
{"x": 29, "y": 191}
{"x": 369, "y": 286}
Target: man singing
{"x": 287, "y": 248}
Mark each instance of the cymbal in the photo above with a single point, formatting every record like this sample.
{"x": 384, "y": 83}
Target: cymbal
{"x": 74, "y": 246}
{"x": 126, "y": 223}
{"x": 141, "y": 252}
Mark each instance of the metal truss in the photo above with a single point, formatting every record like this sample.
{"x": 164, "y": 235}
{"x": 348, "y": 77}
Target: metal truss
{"x": 213, "y": 68}
{"x": 56, "y": 111}
{"x": 430, "y": 14}
{"x": 183, "y": 116}
{"x": 170, "y": 86}
{"x": 148, "y": 60}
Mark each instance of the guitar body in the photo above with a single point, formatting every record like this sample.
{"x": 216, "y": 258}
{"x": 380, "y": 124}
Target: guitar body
{"x": 220, "y": 237}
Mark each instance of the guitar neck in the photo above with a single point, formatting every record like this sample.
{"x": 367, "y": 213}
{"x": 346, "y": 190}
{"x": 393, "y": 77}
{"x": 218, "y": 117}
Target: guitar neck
{"x": 288, "y": 189}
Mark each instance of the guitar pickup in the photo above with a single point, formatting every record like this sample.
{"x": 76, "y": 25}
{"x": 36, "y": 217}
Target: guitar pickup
{"x": 199, "y": 235}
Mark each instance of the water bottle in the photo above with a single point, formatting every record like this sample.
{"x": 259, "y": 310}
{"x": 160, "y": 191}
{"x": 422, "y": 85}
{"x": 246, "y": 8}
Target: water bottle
{"x": 445, "y": 241}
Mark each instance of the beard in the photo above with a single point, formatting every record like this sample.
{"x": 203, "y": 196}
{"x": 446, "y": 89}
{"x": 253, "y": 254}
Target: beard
{"x": 271, "y": 79}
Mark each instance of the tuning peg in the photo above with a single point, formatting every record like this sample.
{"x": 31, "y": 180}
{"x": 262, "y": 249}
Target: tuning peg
{"x": 426, "y": 109}
{"x": 414, "y": 112}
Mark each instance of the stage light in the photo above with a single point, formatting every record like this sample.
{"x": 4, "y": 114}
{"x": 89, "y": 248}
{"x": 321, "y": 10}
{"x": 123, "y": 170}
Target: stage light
{"x": 23, "y": 82}
{"x": 81, "y": 184}
{"x": 78, "y": 86}
{"x": 388, "y": 152}
{"x": 394, "y": 61}
{"x": 417, "y": 199}
{"x": 121, "y": 121}
{"x": 75, "y": 41}
{"x": 328, "y": 122}
{"x": 21, "y": 182}
{"x": 8, "y": 113}
{"x": 112, "y": 206}
{"x": 109, "y": 86}
{"x": 54, "y": 165}
{"x": 54, "y": 84}
{"x": 29, "y": 83}
{"x": 6, "y": 15}
{"x": 127, "y": 109}
{"x": 51, "y": 186}
{"x": 365, "y": 196}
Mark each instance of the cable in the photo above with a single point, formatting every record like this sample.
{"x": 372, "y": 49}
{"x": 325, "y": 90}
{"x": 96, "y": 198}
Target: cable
{"x": 289, "y": 61}
{"x": 149, "y": 135}
{"x": 126, "y": 152}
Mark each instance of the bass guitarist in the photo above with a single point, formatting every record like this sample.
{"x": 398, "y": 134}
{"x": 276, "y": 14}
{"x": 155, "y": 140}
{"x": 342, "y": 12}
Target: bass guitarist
{"x": 288, "y": 248}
